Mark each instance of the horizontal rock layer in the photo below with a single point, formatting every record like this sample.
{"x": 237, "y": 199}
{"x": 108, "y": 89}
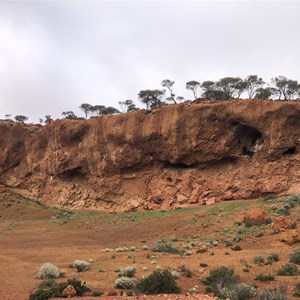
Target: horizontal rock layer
{"x": 178, "y": 155}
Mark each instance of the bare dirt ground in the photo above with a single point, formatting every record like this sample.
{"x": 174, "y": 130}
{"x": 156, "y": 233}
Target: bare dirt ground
{"x": 32, "y": 234}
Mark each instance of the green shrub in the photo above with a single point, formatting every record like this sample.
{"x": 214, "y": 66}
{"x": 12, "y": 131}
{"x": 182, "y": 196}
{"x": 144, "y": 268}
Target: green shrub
{"x": 272, "y": 258}
{"x": 96, "y": 293}
{"x": 52, "y": 289}
{"x": 259, "y": 260}
{"x": 127, "y": 271}
{"x": 228, "y": 244}
{"x": 241, "y": 291}
{"x": 289, "y": 269}
{"x": 159, "y": 282}
{"x": 295, "y": 257}
{"x": 162, "y": 246}
{"x": 124, "y": 283}
{"x": 220, "y": 278}
{"x": 44, "y": 294}
{"x": 48, "y": 271}
{"x": 81, "y": 265}
{"x": 262, "y": 277}
{"x": 236, "y": 248}
{"x": 271, "y": 295}
{"x": 283, "y": 211}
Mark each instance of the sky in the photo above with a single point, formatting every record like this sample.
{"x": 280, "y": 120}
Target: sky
{"x": 56, "y": 55}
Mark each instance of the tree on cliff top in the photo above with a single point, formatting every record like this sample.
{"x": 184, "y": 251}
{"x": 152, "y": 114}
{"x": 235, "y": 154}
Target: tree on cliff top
{"x": 69, "y": 115}
{"x": 285, "y": 87}
{"x": 86, "y": 108}
{"x": 193, "y": 85}
{"x": 152, "y": 98}
{"x": 167, "y": 83}
{"x": 21, "y": 119}
{"x": 253, "y": 82}
{"x": 128, "y": 106}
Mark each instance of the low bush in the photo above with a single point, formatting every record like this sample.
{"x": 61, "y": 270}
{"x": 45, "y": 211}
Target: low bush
{"x": 128, "y": 271}
{"x": 220, "y": 278}
{"x": 124, "y": 283}
{"x": 236, "y": 248}
{"x": 48, "y": 271}
{"x": 271, "y": 295}
{"x": 81, "y": 265}
{"x": 289, "y": 269}
{"x": 283, "y": 211}
{"x": 52, "y": 289}
{"x": 240, "y": 291}
{"x": 295, "y": 257}
{"x": 272, "y": 258}
{"x": 259, "y": 260}
{"x": 96, "y": 293}
{"x": 162, "y": 246}
{"x": 159, "y": 282}
{"x": 262, "y": 277}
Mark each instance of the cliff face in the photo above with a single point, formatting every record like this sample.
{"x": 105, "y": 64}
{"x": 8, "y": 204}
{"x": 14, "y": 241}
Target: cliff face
{"x": 175, "y": 156}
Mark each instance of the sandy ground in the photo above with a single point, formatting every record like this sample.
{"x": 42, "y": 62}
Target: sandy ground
{"x": 31, "y": 235}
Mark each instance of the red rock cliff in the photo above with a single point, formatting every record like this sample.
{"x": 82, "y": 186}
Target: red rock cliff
{"x": 175, "y": 156}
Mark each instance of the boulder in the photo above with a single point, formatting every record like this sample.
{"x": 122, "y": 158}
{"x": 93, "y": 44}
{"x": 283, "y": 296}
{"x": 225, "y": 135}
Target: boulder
{"x": 69, "y": 292}
{"x": 256, "y": 216}
{"x": 281, "y": 223}
{"x": 291, "y": 237}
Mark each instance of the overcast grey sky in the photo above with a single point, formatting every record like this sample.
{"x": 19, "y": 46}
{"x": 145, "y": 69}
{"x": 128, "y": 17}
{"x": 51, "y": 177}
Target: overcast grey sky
{"x": 56, "y": 55}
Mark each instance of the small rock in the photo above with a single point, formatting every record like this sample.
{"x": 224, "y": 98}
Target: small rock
{"x": 291, "y": 237}
{"x": 69, "y": 292}
{"x": 281, "y": 223}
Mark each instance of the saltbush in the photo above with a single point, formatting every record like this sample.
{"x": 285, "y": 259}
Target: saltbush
{"x": 259, "y": 260}
{"x": 289, "y": 269}
{"x": 240, "y": 291}
{"x": 262, "y": 277}
{"x": 127, "y": 271}
{"x": 272, "y": 258}
{"x": 124, "y": 283}
{"x": 162, "y": 246}
{"x": 220, "y": 278}
{"x": 81, "y": 265}
{"x": 159, "y": 282}
{"x": 48, "y": 271}
{"x": 271, "y": 295}
{"x": 295, "y": 257}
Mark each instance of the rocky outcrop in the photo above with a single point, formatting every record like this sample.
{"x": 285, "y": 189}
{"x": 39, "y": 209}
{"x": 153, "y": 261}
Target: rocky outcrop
{"x": 177, "y": 155}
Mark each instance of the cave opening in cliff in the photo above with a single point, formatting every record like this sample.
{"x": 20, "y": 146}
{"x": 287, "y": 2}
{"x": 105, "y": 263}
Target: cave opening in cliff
{"x": 247, "y": 138}
{"x": 75, "y": 174}
{"x": 290, "y": 151}
{"x": 169, "y": 165}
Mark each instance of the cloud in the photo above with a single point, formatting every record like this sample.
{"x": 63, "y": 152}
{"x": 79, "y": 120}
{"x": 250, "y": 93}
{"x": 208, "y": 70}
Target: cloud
{"x": 56, "y": 55}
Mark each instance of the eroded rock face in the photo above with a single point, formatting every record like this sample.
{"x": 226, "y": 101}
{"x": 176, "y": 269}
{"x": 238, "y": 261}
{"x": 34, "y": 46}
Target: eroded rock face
{"x": 178, "y": 155}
